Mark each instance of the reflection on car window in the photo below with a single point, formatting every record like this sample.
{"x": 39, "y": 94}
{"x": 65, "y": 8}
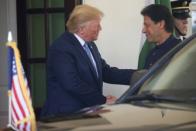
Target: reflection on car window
{"x": 176, "y": 78}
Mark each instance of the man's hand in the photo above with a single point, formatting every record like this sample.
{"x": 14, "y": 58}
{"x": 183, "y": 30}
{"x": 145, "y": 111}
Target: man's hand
{"x": 110, "y": 99}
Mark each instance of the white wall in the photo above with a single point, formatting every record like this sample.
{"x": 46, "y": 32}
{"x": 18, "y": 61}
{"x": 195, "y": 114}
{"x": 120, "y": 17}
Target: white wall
{"x": 119, "y": 40}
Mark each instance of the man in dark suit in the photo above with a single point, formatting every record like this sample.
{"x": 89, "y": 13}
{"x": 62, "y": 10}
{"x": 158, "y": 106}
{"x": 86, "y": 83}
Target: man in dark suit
{"x": 158, "y": 27}
{"x": 75, "y": 68}
{"x": 180, "y": 11}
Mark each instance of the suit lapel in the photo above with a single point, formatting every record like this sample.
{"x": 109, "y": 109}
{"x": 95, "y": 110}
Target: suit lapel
{"x": 80, "y": 49}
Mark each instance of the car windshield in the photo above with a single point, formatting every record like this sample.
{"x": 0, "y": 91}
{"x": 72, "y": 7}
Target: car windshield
{"x": 177, "y": 78}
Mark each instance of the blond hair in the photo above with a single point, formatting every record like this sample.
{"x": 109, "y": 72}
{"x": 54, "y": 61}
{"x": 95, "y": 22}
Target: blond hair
{"x": 80, "y": 15}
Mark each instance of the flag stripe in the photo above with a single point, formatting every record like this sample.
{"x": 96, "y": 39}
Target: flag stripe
{"x": 18, "y": 101}
{"x": 20, "y": 104}
{"x": 21, "y": 98}
{"x": 20, "y": 112}
{"x": 15, "y": 107}
{"x": 14, "y": 114}
{"x": 25, "y": 111}
{"x": 20, "y": 95}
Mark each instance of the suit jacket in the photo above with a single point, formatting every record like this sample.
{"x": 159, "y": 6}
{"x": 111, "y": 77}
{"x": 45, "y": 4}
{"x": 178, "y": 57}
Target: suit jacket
{"x": 72, "y": 83}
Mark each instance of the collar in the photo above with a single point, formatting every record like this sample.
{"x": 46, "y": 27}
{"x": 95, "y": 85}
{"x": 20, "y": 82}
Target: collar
{"x": 167, "y": 42}
{"x": 82, "y": 42}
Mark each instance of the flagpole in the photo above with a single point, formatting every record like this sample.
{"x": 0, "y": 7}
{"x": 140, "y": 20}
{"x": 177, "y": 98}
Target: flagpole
{"x": 9, "y": 80}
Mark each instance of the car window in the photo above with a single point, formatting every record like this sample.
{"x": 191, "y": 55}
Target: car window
{"x": 177, "y": 77}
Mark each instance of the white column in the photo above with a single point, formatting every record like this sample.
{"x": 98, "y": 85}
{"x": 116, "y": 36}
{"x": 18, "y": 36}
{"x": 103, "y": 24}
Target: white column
{"x": 7, "y": 22}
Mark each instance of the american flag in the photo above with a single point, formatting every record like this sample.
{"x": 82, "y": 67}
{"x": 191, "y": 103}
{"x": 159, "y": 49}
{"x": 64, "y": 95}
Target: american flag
{"x": 21, "y": 114}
